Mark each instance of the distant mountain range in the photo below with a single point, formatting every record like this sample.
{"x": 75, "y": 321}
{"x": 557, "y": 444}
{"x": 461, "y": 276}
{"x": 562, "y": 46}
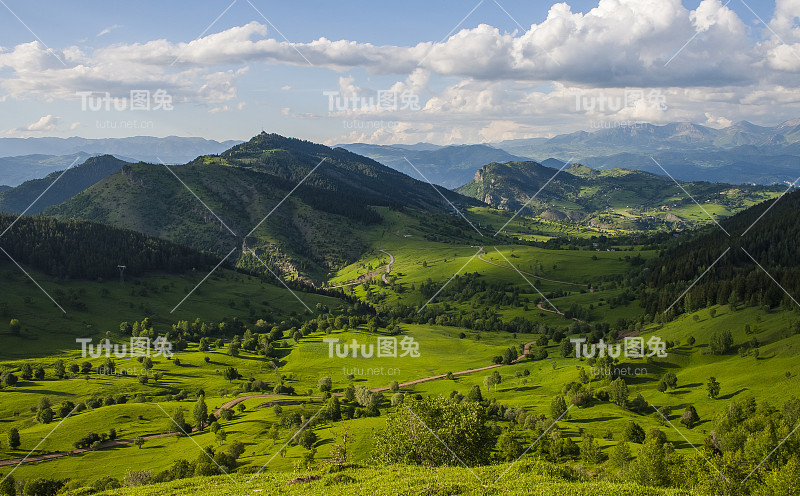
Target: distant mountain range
{"x": 16, "y": 170}
{"x": 450, "y": 166}
{"x": 34, "y": 158}
{"x": 73, "y": 181}
{"x": 741, "y": 153}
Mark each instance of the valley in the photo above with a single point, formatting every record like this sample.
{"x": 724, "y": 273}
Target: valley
{"x": 367, "y": 304}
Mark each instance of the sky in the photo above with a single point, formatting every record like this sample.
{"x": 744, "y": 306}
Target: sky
{"x": 445, "y": 72}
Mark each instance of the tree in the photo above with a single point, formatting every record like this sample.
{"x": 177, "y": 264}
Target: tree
{"x": 619, "y": 392}
{"x": 221, "y": 435}
{"x": 334, "y": 409}
{"x": 38, "y": 373}
{"x": 633, "y": 433}
{"x": 8, "y": 485}
{"x": 720, "y": 342}
{"x": 620, "y": 456}
{"x": 691, "y": 340}
{"x": 59, "y": 369}
{"x": 8, "y": 379}
{"x": 462, "y": 432}
{"x": 712, "y": 386}
{"x": 670, "y": 380}
{"x": 13, "y": 438}
{"x": 496, "y": 379}
{"x": 226, "y": 413}
{"x": 230, "y": 373}
{"x": 27, "y": 372}
{"x": 558, "y": 407}
{"x": 200, "y": 413}
{"x": 45, "y": 415}
{"x": 14, "y": 326}
{"x": 474, "y": 394}
{"x": 590, "y": 451}
{"x": 488, "y": 381}
{"x": 178, "y": 422}
{"x": 324, "y": 384}
{"x": 690, "y": 418}
{"x": 349, "y": 393}
{"x": 139, "y": 441}
{"x": 510, "y": 449}
{"x": 650, "y": 468}
{"x": 307, "y": 439}
{"x": 566, "y": 349}
{"x": 66, "y": 408}
{"x": 394, "y": 386}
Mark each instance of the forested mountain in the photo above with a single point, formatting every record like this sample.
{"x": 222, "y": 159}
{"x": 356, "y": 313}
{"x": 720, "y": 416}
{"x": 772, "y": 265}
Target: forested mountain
{"x": 736, "y": 278}
{"x": 326, "y": 222}
{"x": 74, "y": 180}
{"x": 450, "y": 166}
{"x": 616, "y": 198}
{"x": 87, "y": 250}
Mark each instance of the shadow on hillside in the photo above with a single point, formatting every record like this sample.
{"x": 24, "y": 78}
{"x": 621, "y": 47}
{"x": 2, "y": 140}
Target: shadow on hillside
{"x": 524, "y": 388}
{"x": 594, "y": 419}
{"x": 692, "y": 385}
{"x": 731, "y": 395}
{"x": 42, "y": 391}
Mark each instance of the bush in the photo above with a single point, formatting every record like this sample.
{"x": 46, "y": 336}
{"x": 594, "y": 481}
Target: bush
{"x": 633, "y": 433}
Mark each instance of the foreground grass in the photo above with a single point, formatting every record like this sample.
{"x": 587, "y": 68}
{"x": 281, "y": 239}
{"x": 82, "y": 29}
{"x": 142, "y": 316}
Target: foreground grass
{"x": 520, "y": 479}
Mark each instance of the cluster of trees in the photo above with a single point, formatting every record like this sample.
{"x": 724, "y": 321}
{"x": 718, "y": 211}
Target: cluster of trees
{"x": 85, "y": 250}
{"x": 736, "y": 279}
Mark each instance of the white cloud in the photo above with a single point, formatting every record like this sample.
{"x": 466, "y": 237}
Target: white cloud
{"x": 107, "y": 30}
{"x": 240, "y": 105}
{"x": 717, "y": 122}
{"x": 479, "y": 84}
{"x": 74, "y": 126}
{"x": 47, "y": 123}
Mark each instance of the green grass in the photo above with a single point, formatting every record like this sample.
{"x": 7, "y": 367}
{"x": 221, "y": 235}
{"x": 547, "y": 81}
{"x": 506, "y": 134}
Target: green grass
{"x": 520, "y": 479}
{"x": 46, "y": 331}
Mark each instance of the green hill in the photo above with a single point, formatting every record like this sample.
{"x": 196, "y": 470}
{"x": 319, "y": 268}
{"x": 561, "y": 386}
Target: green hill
{"x": 325, "y": 223}
{"x": 609, "y": 199}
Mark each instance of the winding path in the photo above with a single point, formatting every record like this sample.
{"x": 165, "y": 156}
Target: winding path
{"x": 369, "y": 275}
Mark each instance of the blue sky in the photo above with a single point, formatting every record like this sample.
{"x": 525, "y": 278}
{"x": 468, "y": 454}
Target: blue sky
{"x": 511, "y": 69}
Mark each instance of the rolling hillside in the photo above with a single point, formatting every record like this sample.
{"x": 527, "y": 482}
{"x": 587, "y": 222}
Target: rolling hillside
{"x": 612, "y": 199}
{"x": 325, "y": 223}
